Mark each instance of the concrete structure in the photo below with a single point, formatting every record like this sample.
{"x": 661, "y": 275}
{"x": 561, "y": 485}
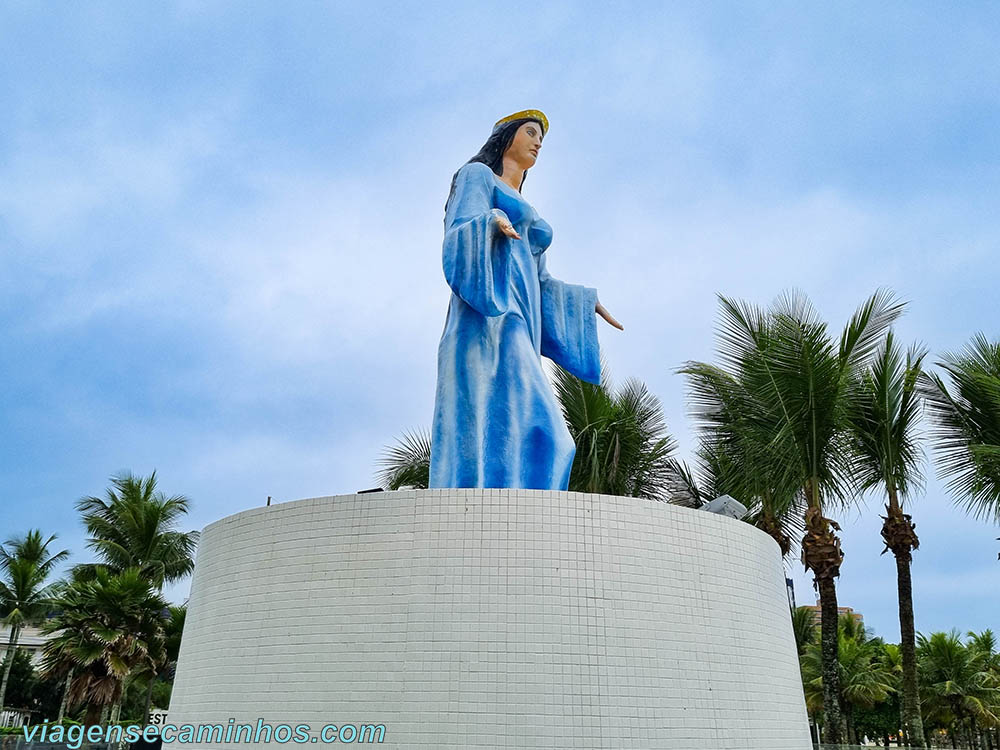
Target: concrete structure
{"x": 494, "y": 619}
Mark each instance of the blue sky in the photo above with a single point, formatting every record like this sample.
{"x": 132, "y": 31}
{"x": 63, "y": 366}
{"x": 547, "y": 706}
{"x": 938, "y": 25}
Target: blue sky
{"x": 220, "y": 225}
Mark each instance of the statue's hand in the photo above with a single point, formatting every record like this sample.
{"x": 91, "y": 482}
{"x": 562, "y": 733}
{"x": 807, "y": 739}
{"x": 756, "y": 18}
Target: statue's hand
{"x": 504, "y": 225}
{"x": 600, "y": 310}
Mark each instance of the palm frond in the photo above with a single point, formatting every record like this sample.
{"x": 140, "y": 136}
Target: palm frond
{"x": 407, "y": 463}
{"x": 26, "y": 563}
{"x": 868, "y": 325}
{"x": 682, "y": 486}
{"x": 134, "y": 525}
{"x": 965, "y": 435}
{"x": 622, "y": 443}
{"x": 884, "y": 413}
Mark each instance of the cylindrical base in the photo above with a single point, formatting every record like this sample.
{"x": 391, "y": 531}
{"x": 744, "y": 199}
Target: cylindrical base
{"x": 492, "y": 619}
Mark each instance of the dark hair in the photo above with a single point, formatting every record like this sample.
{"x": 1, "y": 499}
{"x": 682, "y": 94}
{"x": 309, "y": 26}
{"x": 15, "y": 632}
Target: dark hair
{"x": 491, "y": 154}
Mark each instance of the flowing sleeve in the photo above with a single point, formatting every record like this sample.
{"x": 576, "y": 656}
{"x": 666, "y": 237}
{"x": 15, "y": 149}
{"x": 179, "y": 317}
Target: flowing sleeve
{"x": 569, "y": 326}
{"x": 475, "y": 252}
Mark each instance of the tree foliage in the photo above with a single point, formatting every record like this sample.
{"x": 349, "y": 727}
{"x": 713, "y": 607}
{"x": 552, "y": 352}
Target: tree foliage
{"x": 133, "y": 526}
{"x": 966, "y": 415}
{"x": 407, "y": 463}
{"x": 103, "y": 629}
{"x": 959, "y": 683}
{"x": 26, "y": 563}
{"x": 622, "y": 444}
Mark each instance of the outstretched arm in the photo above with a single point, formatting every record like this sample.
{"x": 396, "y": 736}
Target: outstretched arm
{"x": 569, "y": 326}
{"x": 475, "y": 253}
{"x": 603, "y": 312}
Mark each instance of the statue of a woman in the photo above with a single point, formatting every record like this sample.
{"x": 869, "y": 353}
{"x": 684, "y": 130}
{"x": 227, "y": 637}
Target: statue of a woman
{"x": 496, "y": 421}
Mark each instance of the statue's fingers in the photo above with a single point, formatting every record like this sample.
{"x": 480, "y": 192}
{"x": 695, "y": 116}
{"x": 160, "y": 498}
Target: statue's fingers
{"x": 611, "y": 320}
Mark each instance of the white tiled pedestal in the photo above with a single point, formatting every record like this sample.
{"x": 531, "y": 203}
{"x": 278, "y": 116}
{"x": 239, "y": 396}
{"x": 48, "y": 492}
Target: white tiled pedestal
{"x": 494, "y": 619}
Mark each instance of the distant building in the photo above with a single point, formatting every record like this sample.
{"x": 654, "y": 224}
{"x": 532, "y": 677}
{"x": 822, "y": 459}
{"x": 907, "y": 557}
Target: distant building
{"x": 30, "y": 640}
{"x": 841, "y": 611}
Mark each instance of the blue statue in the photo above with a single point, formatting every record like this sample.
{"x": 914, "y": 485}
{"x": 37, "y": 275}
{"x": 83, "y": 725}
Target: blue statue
{"x": 496, "y": 420}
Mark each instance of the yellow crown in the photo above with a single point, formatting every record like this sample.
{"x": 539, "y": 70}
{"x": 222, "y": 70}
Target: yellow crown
{"x": 533, "y": 114}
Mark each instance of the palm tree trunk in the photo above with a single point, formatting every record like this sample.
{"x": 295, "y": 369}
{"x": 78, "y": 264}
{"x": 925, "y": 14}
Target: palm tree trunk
{"x": 94, "y": 714}
{"x": 821, "y": 553}
{"x": 64, "y": 703}
{"x": 900, "y": 537}
{"x": 116, "y": 711}
{"x": 829, "y": 649}
{"x": 149, "y": 699}
{"x": 15, "y": 631}
{"x": 771, "y": 526}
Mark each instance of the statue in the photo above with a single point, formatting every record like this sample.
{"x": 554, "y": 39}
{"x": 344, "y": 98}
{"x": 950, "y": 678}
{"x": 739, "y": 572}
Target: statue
{"x": 497, "y": 422}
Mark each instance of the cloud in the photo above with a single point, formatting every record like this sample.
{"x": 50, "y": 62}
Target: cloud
{"x": 58, "y": 180}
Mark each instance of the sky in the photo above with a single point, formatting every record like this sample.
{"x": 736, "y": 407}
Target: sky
{"x": 221, "y": 223}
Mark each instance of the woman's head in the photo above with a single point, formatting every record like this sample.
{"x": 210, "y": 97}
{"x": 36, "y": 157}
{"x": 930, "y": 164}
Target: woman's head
{"x": 523, "y": 150}
{"x": 523, "y": 131}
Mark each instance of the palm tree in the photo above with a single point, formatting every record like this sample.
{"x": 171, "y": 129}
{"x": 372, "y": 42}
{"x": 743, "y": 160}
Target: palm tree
{"x": 865, "y": 677}
{"x": 622, "y": 444}
{"x": 883, "y": 719}
{"x": 731, "y": 458}
{"x": 956, "y": 681}
{"x": 796, "y": 384}
{"x": 985, "y": 644}
{"x": 25, "y": 599}
{"x": 105, "y": 627}
{"x": 133, "y": 527}
{"x": 966, "y": 415}
{"x": 884, "y": 413}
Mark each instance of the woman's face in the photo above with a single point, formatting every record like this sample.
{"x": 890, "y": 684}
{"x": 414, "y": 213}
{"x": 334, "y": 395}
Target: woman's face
{"x": 526, "y": 145}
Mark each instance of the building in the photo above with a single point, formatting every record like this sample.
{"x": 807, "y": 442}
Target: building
{"x": 30, "y": 640}
{"x": 841, "y": 611}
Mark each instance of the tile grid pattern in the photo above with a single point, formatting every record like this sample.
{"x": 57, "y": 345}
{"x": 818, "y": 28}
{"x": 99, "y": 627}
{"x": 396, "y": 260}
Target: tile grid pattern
{"x": 495, "y": 619}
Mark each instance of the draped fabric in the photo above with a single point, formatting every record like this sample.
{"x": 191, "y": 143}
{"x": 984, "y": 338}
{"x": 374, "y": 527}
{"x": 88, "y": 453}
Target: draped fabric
{"x": 496, "y": 420}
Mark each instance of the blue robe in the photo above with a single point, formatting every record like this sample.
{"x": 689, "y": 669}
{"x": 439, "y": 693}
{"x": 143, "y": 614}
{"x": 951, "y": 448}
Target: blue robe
{"x": 497, "y": 422}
